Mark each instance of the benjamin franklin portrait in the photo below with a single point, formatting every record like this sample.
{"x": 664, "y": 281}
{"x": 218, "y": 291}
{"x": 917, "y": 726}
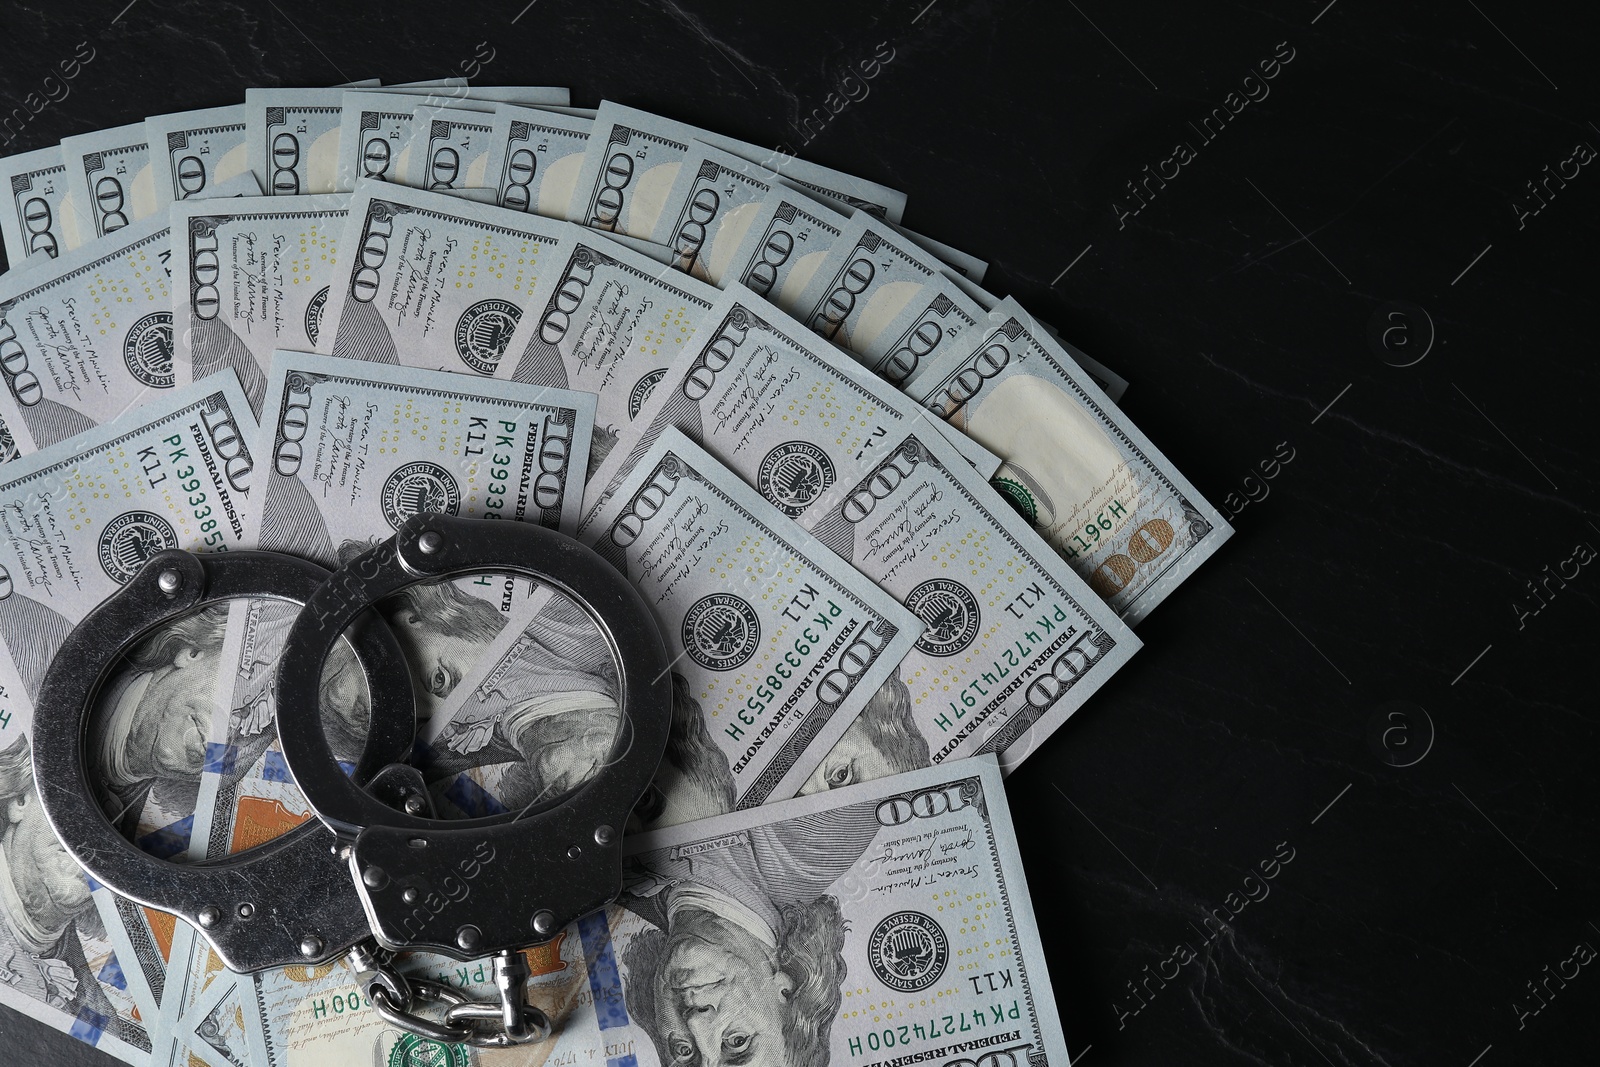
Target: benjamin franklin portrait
{"x": 743, "y": 962}
{"x": 44, "y": 900}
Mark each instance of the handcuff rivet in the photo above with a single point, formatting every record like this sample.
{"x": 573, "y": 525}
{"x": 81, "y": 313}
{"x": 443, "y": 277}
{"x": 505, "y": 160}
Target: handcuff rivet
{"x": 430, "y": 542}
{"x": 310, "y": 945}
{"x": 210, "y": 915}
{"x": 411, "y": 895}
{"x": 604, "y": 835}
{"x": 419, "y": 842}
{"x": 374, "y": 878}
{"x": 574, "y": 852}
{"x": 169, "y": 582}
{"x": 469, "y": 937}
{"x": 544, "y": 922}
{"x": 414, "y": 805}
{"x": 247, "y": 910}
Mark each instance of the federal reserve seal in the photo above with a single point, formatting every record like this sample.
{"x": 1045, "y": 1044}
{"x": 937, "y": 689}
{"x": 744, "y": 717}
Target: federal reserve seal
{"x": 949, "y": 611}
{"x": 314, "y": 311}
{"x": 130, "y": 539}
{"x": 1019, "y": 497}
{"x": 147, "y": 349}
{"x": 482, "y": 332}
{"x": 414, "y": 1051}
{"x": 420, "y": 488}
{"x": 640, "y": 394}
{"x": 908, "y": 951}
{"x": 721, "y": 631}
{"x": 793, "y": 475}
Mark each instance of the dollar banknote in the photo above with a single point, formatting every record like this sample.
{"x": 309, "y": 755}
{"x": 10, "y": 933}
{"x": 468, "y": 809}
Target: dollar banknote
{"x": 72, "y": 355}
{"x": 534, "y": 158}
{"x": 112, "y": 183}
{"x": 633, "y": 158}
{"x": 193, "y": 153}
{"x": 1013, "y": 640}
{"x": 885, "y": 299}
{"x": 39, "y": 219}
{"x": 776, "y": 643}
{"x": 436, "y": 281}
{"x": 292, "y": 139}
{"x": 250, "y": 276}
{"x": 883, "y": 923}
{"x": 788, "y": 238}
{"x": 1075, "y": 466}
{"x": 357, "y": 448}
{"x": 80, "y": 520}
{"x": 606, "y": 320}
{"x": 709, "y": 209}
{"x": 376, "y": 126}
{"x": 448, "y": 150}
{"x": 790, "y": 413}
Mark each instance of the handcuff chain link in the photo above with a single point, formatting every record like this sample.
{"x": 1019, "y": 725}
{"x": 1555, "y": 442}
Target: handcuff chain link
{"x": 504, "y": 1023}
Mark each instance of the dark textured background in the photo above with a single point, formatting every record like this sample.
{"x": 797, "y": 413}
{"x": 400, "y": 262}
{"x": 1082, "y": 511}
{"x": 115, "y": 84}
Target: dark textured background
{"x": 1382, "y": 561}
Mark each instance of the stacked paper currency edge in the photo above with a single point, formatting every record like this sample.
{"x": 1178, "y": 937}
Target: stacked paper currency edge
{"x": 894, "y": 529}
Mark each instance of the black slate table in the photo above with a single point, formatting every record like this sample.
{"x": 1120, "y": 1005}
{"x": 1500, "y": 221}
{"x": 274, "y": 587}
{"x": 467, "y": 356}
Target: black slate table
{"x": 1348, "y": 317}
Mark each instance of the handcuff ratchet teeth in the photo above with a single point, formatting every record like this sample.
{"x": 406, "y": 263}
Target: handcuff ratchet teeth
{"x": 390, "y": 876}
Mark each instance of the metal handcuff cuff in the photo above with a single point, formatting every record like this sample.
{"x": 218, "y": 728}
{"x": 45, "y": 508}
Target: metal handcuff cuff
{"x": 389, "y": 876}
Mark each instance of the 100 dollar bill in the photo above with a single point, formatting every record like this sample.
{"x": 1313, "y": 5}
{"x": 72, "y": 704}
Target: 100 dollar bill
{"x": 1013, "y": 641}
{"x": 111, "y": 180}
{"x": 72, "y": 358}
{"x": 709, "y": 207}
{"x": 437, "y": 281}
{"x": 777, "y": 641}
{"x": 1075, "y": 466}
{"x": 250, "y": 277}
{"x": 534, "y": 158}
{"x": 292, "y": 139}
{"x": 608, "y": 320}
{"x": 448, "y": 150}
{"x": 39, "y": 219}
{"x": 193, "y": 153}
{"x": 354, "y": 449}
{"x": 786, "y": 240}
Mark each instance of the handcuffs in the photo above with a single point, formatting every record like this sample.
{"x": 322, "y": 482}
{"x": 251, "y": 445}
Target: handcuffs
{"x": 376, "y": 872}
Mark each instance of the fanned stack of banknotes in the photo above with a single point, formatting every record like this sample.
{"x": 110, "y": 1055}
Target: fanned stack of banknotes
{"x": 893, "y": 529}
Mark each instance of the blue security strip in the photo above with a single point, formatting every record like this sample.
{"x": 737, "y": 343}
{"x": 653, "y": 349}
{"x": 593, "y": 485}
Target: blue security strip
{"x": 605, "y": 982}
{"x": 472, "y": 798}
{"x": 111, "y": 974}
{"x": 220, "y": 758}
{"x": 88, "y": 1026}
{"x": 169, "y": 840}
{"x": 274, "y": 769}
